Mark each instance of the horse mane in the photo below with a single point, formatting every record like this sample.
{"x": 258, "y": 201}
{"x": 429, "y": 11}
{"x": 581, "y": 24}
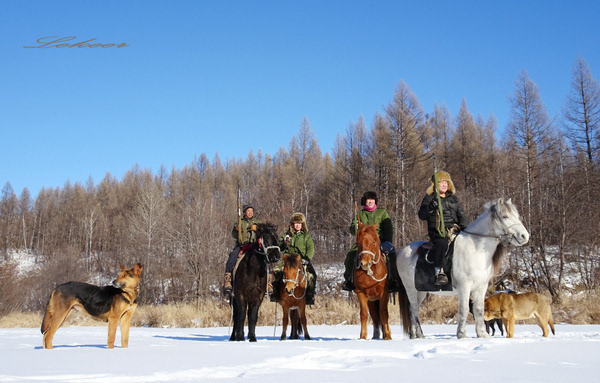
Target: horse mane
{"x": 292, "y": 261}
{"x": 268, "y": 226}
{"x": 498, "y": 256}
{"x": 366, "y": 229}
{"x": 499, "y": 207}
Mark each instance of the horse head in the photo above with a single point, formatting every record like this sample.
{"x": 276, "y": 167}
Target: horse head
{"x": 293, "y": 275}
{"x": 267, "y": 242}
{"x": 507, "y": 223}
{"x": 368, "y": 245}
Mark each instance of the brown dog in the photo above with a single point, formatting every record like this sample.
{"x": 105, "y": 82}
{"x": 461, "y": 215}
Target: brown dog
{"x": 512, "y": 306}
{"x": 113, "y": 304}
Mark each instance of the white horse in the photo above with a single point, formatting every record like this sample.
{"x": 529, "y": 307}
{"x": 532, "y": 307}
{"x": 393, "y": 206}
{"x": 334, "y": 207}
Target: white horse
{"x": 478, "y": 250}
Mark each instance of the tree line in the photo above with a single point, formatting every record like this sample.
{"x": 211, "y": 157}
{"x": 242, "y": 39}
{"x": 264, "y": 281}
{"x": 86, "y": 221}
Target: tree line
{"x": 178, "y": 222}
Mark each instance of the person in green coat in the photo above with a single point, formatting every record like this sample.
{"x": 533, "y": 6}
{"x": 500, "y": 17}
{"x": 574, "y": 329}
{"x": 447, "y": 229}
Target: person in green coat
{"x": 369, "y": 215}
{"x": 296, "y": 240}
{"x": 243, "y": 233}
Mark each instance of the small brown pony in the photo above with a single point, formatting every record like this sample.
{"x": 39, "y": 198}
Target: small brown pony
{"x": 293, "y": 296}
{"x": 371, "y": 281}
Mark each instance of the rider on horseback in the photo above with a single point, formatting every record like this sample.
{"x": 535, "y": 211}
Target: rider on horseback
{"x": 369, "y": 215}
{"x": 244, "y": 231}
{"x": 451, "y": 216}
{"x": 296, "y": 240}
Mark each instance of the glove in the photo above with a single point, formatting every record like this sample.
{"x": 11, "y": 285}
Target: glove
{"x": 252, "y": 228}
{"x": 433, "y": 204}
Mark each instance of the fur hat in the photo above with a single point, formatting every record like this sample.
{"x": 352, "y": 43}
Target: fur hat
{"x": 369, "y": 195}
{"x": 441, "y": 176}
{"x": 298, "y": 218}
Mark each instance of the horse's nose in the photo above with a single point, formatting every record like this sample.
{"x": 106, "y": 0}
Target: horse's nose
{"x": 524, "y": 238}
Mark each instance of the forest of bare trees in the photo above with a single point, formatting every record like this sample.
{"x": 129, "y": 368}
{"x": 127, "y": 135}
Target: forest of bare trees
{"x": 177, "y": 222}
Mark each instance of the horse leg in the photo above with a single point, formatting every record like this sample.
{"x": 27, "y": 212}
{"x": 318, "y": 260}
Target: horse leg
{"x": 384, "y": 315}
{"x": 463, "y": 312}
{"x": 303, "y": 321}
{"x": 374, "y": 312}
{"x": 252, "y": 319}
{"x": 284, "y": 319}
{"x": 295, "y": 318}
{"x": 416, "y": 298}
{"x": 364, "y": 314}
{"x": 478, "y": 297}
{"x": 239, "y": 314}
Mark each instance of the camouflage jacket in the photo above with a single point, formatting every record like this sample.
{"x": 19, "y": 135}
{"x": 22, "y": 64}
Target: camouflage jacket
{"x": 247, "y": 236}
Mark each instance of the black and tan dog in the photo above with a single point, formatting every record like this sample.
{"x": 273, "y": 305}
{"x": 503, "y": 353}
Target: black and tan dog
{"x": 113, "y": 304}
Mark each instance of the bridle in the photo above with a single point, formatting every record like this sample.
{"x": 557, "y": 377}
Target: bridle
{"x": 369, "y": 268}
{"x": 264, "y": 250}
{"x": 297, "y": 281}
{"x": 506, "y": 236}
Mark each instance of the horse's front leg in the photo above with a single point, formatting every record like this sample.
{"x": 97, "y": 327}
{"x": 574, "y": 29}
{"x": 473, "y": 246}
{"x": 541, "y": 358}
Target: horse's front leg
{"x": 384, "y": 315}
{"x": 284, "y": 320}
{"x": 364, "y": 314}
{"x": 303, "y": 321}
{"x": 478, "y": 297}
{"x": 463, "y": 312}
{"x": 375, "y": 318}
{"x": 252, "y": 320}
{"x": 239, "y": 316}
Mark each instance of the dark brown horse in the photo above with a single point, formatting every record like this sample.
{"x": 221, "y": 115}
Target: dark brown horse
{"x": 250, "y": 280}
{"x": 293, "y": 296}
{"x": 371, "y": 281}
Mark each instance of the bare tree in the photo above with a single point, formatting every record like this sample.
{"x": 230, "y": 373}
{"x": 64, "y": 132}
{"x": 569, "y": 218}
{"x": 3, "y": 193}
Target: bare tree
{"x": 405, "y": 120}
{"x": 582, "y": 110}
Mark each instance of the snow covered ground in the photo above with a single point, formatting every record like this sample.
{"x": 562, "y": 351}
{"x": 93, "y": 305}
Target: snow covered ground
{"x": 334, "y": 355}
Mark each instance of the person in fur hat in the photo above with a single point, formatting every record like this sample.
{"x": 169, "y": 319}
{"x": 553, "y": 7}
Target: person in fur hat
{"x": 245, "y": 233}
{"x": 369, "y": 215}
{"x": 452, "y": 214}
{"x": 296, "y": 240}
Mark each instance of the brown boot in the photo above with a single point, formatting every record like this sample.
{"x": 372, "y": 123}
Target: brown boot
{"x": 227, "y": 287}
{"x": 441, "y": 279}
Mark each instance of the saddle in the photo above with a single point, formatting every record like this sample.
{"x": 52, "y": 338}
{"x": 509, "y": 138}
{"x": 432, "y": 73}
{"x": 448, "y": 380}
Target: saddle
{"x": 425, "y": 270}
{"x": 245, "y": 248}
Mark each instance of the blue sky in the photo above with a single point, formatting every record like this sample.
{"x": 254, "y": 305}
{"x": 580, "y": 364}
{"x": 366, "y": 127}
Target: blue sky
{"x": 229, "y": 77}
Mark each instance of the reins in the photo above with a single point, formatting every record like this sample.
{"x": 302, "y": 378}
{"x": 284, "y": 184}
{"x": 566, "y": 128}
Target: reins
{"x": 502, "y": 238}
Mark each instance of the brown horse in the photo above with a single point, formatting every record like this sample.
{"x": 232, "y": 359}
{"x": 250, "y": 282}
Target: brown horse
{"x": 293, "y": 296}
{"x": 371, "y": 281}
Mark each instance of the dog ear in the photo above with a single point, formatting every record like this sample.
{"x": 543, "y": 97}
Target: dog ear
{"x": 137, "y": 269}
{"x": 122, "y": 267}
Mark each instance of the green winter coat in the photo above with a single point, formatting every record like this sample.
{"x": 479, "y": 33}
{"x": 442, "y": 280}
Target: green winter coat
{"x": 247, "y": 236}
{"x": 300, "y": 242}
{"x": 379, "y": 216}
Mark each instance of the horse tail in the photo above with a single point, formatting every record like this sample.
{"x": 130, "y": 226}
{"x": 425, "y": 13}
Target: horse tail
{"x": 404, "y": 305}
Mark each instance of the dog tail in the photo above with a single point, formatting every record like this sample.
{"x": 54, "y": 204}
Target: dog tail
{"x": 551, "y": 323}
{"x": 47, "y": 316}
